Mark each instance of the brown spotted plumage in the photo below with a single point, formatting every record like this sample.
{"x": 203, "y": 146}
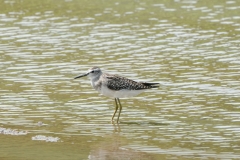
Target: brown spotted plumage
{"x": 118, "y": 83}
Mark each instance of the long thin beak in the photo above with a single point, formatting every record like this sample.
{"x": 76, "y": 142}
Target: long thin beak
{"x": 83, "y": 75}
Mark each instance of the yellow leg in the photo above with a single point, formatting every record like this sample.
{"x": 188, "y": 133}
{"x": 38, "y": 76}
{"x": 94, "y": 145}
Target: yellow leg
{"x": 120, "y": 109}
{"x": 115, "y": 108}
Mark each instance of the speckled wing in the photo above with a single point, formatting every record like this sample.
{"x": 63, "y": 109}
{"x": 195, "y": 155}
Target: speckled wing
{"x": 118, "y": 83}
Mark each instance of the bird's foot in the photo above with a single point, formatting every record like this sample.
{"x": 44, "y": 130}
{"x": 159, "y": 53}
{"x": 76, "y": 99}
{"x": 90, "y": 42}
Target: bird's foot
{"x": 113, "y": 122}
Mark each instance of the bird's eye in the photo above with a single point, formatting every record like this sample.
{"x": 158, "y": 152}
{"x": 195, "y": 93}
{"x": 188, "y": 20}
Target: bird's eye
{"x": 92, "y": 71}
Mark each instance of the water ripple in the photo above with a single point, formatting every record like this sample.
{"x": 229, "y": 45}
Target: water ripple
{"x": 195, "y": 111}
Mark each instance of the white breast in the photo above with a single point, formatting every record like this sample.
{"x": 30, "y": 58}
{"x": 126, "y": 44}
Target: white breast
{"x": 120, "y": 93}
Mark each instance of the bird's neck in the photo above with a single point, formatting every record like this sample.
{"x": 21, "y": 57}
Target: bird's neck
{"x": 96, "y": 84}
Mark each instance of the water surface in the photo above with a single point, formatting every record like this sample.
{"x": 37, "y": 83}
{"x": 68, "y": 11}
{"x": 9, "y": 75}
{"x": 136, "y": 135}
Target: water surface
{"x": 190, "y": 47}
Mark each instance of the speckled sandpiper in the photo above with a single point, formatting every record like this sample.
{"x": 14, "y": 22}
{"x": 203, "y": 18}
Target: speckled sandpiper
{"x": 115, "y": 86}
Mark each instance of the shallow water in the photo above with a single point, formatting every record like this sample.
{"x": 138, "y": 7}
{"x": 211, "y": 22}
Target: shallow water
{"x": 190, "y": 47}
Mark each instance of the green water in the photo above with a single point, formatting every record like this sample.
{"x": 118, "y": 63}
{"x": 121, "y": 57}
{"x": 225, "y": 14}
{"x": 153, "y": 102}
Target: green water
{"x": 190, "y": 47}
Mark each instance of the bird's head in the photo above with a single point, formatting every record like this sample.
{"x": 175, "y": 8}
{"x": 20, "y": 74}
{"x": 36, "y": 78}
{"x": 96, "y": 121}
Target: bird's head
{"x": 91, "y": 73}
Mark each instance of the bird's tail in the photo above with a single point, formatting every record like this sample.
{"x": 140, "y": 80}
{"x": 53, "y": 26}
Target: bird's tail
{"x": 151, "y": 85}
